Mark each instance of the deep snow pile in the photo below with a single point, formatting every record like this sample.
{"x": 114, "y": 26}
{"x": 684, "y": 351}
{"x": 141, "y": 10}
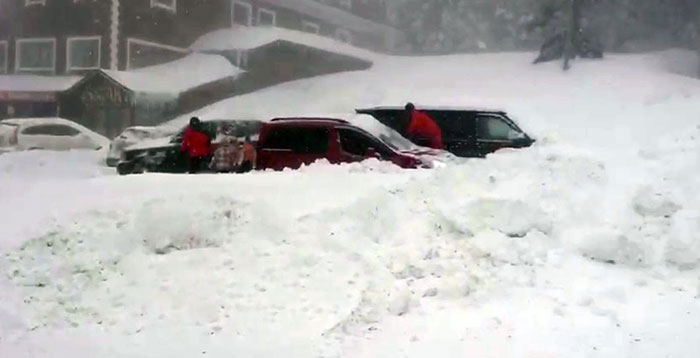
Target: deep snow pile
{"x": 584, "y": 245}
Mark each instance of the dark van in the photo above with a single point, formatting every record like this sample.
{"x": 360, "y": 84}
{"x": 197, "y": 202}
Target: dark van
{"x": 465, "y": 132}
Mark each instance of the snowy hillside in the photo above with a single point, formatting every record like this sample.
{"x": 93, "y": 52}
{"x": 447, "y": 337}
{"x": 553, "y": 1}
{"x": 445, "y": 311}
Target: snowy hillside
{"x": 585, "y": 245}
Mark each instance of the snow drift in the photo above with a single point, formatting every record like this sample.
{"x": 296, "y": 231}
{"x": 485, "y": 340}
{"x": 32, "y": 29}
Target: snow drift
{"x": 584, "y": 245}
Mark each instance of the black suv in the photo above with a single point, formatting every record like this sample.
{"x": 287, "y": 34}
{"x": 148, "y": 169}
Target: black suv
{"x": 164, "y": 156}
{"x": 465, "y": 132}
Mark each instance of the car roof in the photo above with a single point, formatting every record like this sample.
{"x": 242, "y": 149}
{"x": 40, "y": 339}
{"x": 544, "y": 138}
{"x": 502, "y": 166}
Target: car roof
{"x": 435, "y": 108}
{"x": 39, "y": 121}
{"x": 317, "y": 121}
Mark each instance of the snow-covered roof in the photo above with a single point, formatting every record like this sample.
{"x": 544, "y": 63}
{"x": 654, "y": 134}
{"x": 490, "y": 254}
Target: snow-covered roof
{"x": 36, "y": 83}
{"x": 177, "y": 76}
{"x": 248, "y": 38}
{"x": 334, "y": 16}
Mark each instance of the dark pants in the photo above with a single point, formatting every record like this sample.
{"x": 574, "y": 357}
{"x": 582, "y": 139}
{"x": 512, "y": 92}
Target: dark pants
{"x": 197, "y": 164}
{"x": 245, "y": 167}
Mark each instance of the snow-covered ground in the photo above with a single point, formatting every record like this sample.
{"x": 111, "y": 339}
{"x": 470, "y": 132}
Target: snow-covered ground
{"x": 585, "y": 245}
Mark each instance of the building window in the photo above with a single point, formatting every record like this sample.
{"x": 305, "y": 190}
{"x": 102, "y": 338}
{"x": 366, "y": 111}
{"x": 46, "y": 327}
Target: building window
{"x": 310, "y": 27}
{"x": 241, "y": 13}
{"x": 343, "y": 36}
{"x": 36, "y": 55}
{"x": 170, "y": 5}
{"x": 83, "y": 53}
{"x": 3, "y": 56}
{"x": 266, "y": 17}
{"x": 346, "y": 4}
{"x": 34, "y": 2}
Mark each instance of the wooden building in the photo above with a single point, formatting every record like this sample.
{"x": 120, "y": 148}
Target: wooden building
{"x": 97, "y": 39}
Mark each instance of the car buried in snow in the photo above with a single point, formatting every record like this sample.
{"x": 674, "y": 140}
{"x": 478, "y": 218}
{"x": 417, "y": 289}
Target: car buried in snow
{"x": 294, "y": 142}
{"x": 163, "y": 155}
{"x": 466, "y": 132}
{"x": 47, "y": 134}
{"x": 130, "y": 137}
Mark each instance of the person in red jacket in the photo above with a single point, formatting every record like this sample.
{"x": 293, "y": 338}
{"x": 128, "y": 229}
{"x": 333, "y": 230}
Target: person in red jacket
{"x": 196, "y": 143}
{"x": 422, "y": 129}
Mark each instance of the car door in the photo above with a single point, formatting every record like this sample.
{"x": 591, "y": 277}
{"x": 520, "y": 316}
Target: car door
{"x": 458, "y": 132}
{"x": 355, "y": 146}
{"x": 287, "y": 146}
{"x": 49, "y": 136}
{"x": 494, "y": 133}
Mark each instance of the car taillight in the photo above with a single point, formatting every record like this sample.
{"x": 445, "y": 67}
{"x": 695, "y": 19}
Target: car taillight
{"x": 14, "y": 138}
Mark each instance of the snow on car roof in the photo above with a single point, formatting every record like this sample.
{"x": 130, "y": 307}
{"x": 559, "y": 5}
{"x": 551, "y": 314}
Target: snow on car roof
{"x": 36, "y": 83}
{"x": 247, "y": 38}
{"x": 438, "y": 108}
{"x": 177, "y": 76}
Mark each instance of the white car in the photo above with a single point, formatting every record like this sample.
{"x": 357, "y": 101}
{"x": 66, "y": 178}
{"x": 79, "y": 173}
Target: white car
{"x": 48, "y": 134}
{"x": 129, "y": 137}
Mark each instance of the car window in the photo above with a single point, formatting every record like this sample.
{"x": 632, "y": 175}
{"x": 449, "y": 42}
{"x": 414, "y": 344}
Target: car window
{"x": 298, "y": 140}
{"x": 456, "y": 124}
{"x": 357, "y": 143}
{"x": 493, "y": 128}
{"x": 51, "y": 130}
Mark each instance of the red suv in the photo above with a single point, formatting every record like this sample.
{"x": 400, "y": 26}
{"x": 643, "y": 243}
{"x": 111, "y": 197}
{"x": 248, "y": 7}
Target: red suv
{"x": 293, "y": 142}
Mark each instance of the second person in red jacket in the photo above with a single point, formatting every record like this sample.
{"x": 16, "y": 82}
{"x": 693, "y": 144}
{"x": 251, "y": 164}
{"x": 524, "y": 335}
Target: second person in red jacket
{"x": 422, "y": 129}
{"x": 196, "y": 143}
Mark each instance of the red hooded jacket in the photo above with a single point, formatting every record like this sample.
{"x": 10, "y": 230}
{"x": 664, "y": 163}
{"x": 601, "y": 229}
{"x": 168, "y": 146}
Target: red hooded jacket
{"x": 196, "y": 143}
{"x": 424, "y": 129}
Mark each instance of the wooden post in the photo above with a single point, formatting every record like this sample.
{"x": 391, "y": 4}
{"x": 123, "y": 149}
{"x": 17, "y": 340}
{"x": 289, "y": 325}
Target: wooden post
{"x": 572, "y": 35}
{"x": 697, "y": 39}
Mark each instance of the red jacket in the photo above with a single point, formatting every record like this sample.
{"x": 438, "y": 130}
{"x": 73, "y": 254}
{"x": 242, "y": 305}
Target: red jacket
{"x": 424, "y": 129}
{"x": 196, "y": 143}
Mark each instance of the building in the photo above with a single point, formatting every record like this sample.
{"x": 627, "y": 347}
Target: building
{"x": 59, "y": 37}
{"x": 362, "y": 23}
{"x": 55, "y": 43}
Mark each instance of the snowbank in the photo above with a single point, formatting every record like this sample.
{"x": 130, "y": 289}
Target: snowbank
{"x": 177, "y": 76}
{"x": 584, "y": 245}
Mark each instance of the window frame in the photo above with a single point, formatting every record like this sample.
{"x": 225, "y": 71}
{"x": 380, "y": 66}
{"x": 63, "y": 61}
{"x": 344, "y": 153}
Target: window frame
{"x": 341, "y": 32}
{"x": 261, "y": 11}
{"x": 69, "y": 42}
{"x": 18, "y": 54}
{"x": 249, "y": 9}
{"x": 5, "y": 55}
{"x": 159, "y": 5}
{"x": 28, "y": 3}
{"x": 295, "y": 139}
{"x": 311, "y": 24}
